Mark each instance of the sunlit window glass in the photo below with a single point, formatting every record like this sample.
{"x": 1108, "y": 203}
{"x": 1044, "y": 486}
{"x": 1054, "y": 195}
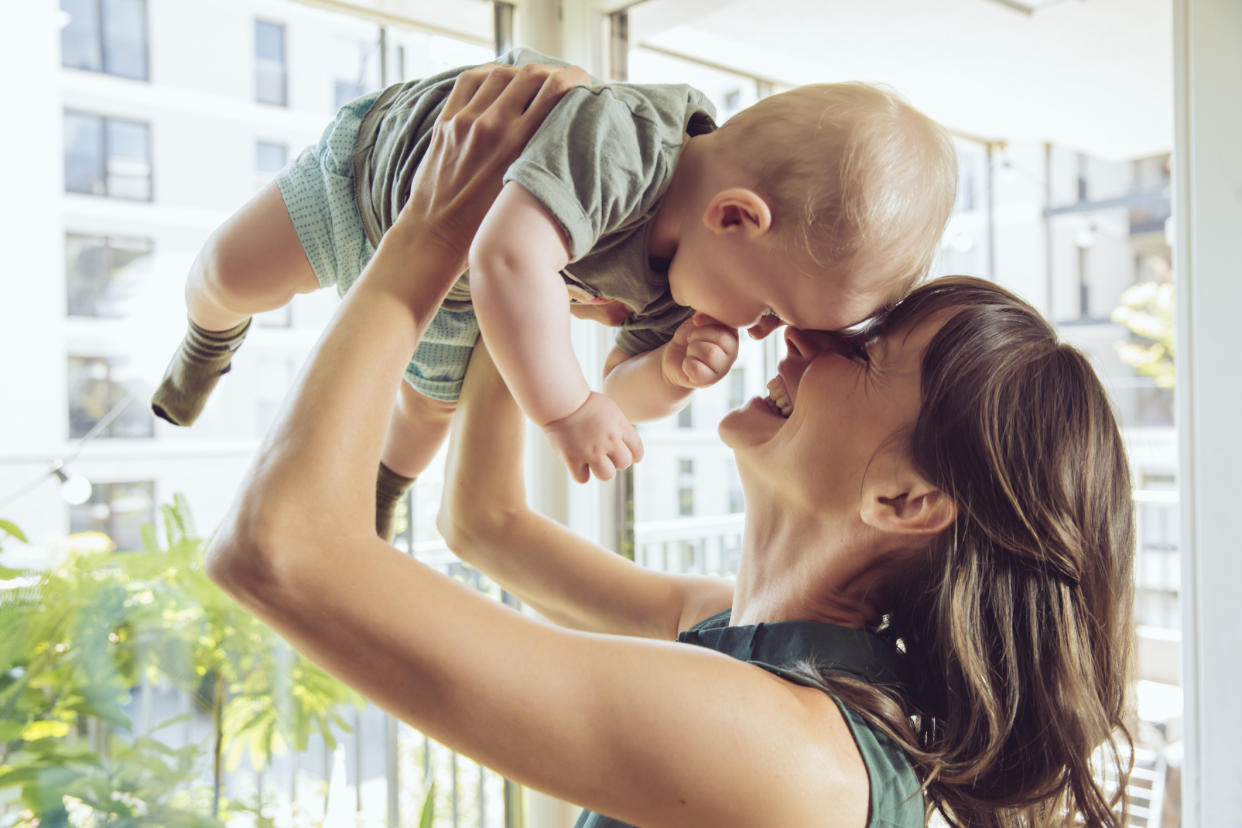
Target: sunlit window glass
{"x": 103, "y": 275}
{"x": 105, "y": 36}
{"x": 129, "y": 159}
{"x": 118, "y": 510}
{"x": 84, "y": 154}
{"x": 106, "y": 400}
{"x": 80, "y": 46}
{"x": 270, "y": 81}
{"x": 125, "y": 38}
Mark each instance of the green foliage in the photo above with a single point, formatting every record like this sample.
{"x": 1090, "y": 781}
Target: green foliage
{"x": 1147, "y": 311}
{"x": 78, "y": 639}
{"x": 427, "y": 814}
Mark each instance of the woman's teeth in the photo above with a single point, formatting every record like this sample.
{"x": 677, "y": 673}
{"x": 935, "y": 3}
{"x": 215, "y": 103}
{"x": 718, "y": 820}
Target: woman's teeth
{"x": 777, "y": 399}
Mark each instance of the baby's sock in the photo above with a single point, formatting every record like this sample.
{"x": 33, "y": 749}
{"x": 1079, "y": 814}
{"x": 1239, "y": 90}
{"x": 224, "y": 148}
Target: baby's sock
{"x": 390, "y": 487}
{"x": 201, "y": 359}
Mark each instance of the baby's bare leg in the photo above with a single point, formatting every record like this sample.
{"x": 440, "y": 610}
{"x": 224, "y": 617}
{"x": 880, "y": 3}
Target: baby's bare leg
{"x": 415, "y": 432}
{"x": 253, "y": 262}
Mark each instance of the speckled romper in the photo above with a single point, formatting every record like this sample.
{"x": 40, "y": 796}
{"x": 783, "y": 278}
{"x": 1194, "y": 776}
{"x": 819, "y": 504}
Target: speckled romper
{"x": 318, "y": 190}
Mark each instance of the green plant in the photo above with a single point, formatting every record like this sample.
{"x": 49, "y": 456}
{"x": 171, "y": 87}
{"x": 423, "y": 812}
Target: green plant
{"x": 81, "y": 635}
{"x": 1147, "y": 311}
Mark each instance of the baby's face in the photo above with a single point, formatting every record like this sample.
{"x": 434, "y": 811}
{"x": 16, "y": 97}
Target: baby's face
{"x": 749, "y": 285}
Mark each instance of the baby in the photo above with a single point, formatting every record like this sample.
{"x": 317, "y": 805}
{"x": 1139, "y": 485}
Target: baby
{"x": 813, "y": 208}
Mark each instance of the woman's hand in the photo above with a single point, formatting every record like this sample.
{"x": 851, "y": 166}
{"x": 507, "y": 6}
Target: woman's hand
{"x": 488, "y": 118}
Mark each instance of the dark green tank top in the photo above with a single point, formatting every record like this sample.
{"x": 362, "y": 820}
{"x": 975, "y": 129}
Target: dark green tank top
{"x": 896, "y": 801}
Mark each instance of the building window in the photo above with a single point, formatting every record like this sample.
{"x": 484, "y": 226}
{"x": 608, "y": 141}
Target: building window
{"x": 685, "y": 417}
{"x": 685, "y": 487}
{"x": 737, "y": 499}
{"x": 97, "y": 388}
{"x": 105, "y": 36}
{"x": 118, "y": 510}
{"x": 102, "y": 275}
{"x": 271, "y": 81}
{"x": 737, "y": 388}
{"x": 269, "y": 158}
{"x": 357, "y": 69}
{"x": 107, "y": 156}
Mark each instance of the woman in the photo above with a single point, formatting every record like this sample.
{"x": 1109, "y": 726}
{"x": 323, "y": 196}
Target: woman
{"x": 938, "y": 534}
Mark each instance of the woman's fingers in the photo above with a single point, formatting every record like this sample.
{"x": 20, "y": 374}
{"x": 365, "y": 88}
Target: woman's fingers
{"x": 464, "y": 87}
{"x": 554, "y": 86}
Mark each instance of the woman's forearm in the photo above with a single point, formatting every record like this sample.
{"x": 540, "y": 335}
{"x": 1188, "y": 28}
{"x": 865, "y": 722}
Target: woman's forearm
{"x": 486, "y": 521}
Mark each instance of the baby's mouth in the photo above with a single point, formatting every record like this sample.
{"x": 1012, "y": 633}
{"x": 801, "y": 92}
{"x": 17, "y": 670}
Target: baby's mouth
{"x": 778, "y": 398}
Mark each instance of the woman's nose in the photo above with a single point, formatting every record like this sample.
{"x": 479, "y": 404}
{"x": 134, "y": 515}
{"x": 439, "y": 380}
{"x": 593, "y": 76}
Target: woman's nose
{"x": 803, "y": 344}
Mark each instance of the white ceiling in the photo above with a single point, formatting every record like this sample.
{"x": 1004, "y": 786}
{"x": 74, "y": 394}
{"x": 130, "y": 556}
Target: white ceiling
{"x": 1096, "y": 75}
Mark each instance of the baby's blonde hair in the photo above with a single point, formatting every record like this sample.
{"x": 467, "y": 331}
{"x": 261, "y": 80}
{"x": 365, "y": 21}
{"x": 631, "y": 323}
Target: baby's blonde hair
{"x": 859, "y": 181}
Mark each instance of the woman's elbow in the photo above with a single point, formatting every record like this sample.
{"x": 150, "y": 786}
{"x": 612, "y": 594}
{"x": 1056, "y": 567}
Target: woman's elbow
{"x": 470, "y": 528}
{"x": 244, "y": 557}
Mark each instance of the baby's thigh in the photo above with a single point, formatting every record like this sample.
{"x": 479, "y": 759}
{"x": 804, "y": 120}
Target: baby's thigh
{"x": 256, "y": 254}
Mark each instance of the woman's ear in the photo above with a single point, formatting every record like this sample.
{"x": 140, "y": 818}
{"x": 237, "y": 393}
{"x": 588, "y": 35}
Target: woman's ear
{"x": 902, "y": 502}
{"x": 738, "y": 209}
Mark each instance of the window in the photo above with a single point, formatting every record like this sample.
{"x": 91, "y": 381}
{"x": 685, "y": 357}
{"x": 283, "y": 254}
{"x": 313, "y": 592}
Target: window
{"x": 103, "y": 395}
{"x": 685, "y": 417}
{"x": 685, "y": 487}
{"x": 102, "y": 275}
{"x": 107, "y": 156}
{"x": 271, "y": 83}
{"x": 357, "y": 69}
{"x": 737, "y": 499}
{"x": 269, "y": 158}
{"x": 737, "y": 388}
{"x": 118, "y": 510}
{"x": 105, "y": 36}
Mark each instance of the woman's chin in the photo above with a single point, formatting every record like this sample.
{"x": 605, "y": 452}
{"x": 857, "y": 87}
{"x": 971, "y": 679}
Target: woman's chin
{"x": 753, "y": 423}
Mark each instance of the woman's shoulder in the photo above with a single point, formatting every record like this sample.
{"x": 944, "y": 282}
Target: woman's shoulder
{"x": 896, "y": 796}
{"x": 786, "y": 650}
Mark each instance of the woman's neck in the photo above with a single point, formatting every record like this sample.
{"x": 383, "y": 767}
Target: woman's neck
{"x": 807, "y": 569}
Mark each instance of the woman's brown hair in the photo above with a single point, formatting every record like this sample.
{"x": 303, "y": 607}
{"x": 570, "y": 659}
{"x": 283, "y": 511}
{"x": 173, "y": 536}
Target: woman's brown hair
{"x": 1018, "y": 636}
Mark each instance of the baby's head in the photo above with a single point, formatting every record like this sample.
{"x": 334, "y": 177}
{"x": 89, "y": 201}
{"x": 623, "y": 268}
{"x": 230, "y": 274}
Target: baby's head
{"x": 858, "y": 185}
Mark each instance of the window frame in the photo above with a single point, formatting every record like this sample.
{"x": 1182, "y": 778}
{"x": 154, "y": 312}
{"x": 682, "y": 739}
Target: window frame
{"x": 99, "y": 34}
{"x": 260, "y": 61}
{"x": 104, "y": 157}
{"x": 109, "y": 244}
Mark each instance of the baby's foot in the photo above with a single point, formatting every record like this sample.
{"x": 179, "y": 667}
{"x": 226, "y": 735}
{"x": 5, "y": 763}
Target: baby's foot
{"x": 201, "y": 359}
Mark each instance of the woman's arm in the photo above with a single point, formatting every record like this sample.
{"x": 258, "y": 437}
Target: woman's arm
{"x": 657, "y": 734}
{"x": 487, "y": 523}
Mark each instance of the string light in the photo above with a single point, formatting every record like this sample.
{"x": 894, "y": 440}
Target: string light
{"x": 74, "y": 488}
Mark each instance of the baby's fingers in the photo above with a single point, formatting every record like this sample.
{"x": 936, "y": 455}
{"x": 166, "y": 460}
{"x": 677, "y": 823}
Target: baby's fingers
{"x": 603, "y": 468}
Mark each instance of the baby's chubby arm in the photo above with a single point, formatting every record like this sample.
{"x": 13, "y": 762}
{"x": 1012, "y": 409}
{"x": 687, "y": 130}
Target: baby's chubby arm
{"x": 657, "y": 383}
{"x": 519, "y": 298}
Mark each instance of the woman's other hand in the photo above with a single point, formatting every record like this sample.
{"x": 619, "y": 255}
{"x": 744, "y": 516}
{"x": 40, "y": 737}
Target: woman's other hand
{"x": 490, "y": 114}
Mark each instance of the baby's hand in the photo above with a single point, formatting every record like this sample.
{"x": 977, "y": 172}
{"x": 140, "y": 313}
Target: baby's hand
{"x": 700, "y": 353}
{"x": 595, "y": 438}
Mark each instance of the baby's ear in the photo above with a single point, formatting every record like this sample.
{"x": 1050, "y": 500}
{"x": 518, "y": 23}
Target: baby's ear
{"x": 738, "y": 210}
{"x": 897, "y": 499}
